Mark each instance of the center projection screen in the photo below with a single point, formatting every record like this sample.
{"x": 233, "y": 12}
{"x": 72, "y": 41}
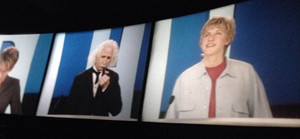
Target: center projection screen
{"x": 69, "y": 57}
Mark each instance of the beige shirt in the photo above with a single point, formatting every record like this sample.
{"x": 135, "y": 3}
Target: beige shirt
{"x": 239, "y": 93}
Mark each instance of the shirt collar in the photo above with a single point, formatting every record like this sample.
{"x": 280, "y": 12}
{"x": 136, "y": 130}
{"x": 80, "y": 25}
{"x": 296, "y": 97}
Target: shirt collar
{"x": 201, "y": 69}
{"x": 95, "y": 69}
{"x": 227, "y": 71}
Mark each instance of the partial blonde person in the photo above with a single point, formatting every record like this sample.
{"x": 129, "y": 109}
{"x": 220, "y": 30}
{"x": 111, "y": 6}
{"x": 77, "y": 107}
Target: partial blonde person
{"x": 9, "y": 86}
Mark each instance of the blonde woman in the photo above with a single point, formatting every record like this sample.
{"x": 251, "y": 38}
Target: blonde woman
{"x": 218, "y": 86}
{"x": 9, "y": 86}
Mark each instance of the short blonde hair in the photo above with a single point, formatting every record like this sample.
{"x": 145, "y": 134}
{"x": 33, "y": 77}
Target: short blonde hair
{"x": 227, "y": 23}
{"x": 9, "y": 57}
{"x": 108, "y": 43}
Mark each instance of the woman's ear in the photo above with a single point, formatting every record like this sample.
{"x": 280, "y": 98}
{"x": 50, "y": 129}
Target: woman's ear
{"x": 10, "y": 69}
{"x": 228, "y": 41}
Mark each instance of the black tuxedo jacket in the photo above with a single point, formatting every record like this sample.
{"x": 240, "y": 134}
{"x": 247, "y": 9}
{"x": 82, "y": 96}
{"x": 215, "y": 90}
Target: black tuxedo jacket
{"x": 81, "y": 101}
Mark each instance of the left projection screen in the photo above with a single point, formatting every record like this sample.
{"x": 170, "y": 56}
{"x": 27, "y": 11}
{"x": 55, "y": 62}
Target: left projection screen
{"x": 34, "y": 50}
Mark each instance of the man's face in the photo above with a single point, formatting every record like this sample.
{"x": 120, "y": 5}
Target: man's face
{"x": 214, "y": 41}
{"x": 3, "y": 72}
{"x": 103, "y": 59}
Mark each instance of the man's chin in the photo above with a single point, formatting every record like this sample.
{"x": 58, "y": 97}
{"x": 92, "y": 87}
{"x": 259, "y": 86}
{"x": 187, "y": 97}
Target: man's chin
{"x": 101, "y": 68}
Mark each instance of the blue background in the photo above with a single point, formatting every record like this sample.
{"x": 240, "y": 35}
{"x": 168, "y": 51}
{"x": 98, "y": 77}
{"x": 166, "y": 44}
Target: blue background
{"x": 184, "y": 49}
{"x": 39, "y": 64}
{"x": 267, "y": 36}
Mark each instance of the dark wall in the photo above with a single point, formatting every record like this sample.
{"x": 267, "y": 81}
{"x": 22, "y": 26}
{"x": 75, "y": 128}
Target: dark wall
{"x": 17, "y": 16}
{"x": 41, "y": 127}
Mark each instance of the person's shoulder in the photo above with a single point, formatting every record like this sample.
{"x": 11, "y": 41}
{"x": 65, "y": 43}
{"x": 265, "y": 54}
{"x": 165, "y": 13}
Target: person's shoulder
{"x": 194, "y": 68}
{"x": 239, "y": 63}
{"x": 193, "y": 71}
{"x": 84, "y": 73}
{"x": 13, "y": 79}
{"x": 239, "y": 66}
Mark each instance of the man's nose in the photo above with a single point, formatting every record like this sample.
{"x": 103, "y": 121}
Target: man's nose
{"x": 106, "y": 60}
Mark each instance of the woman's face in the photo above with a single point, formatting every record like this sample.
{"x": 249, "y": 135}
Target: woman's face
{"x": 3, "y": 72}
{"x": 214, "y": 41}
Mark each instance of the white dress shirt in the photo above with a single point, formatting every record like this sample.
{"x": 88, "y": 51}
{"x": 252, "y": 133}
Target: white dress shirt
{"x": 96, "y": 85}
{"x": 239, "y": 93}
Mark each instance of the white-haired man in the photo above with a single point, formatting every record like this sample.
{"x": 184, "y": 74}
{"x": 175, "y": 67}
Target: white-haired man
{"x": 96, "y": 91}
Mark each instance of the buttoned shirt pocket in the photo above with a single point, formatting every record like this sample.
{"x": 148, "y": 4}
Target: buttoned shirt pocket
{"x": 186, "y": 106}
{"x": 240, "y": 109}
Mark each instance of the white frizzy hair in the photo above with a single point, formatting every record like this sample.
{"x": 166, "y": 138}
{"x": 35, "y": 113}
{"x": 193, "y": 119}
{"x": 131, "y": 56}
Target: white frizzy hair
{"x": 99, "y": 48}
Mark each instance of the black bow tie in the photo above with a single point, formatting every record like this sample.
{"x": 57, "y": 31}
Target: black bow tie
{"x": 97, "y": 75}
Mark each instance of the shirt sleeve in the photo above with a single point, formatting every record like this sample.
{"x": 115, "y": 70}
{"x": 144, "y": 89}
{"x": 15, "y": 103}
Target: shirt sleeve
{"x": 114, "y": 103}
{"x": 72, "y": 99}
{"x": 172, "y": 110}
{"x": 258, "y": 101}
{"x": 16, "y": 107}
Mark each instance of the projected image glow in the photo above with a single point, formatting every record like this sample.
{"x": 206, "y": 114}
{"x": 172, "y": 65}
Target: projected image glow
{"x": 266, "y": 37}
{"x": 34, "y": 50}
{"x": 70, "y": 57}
